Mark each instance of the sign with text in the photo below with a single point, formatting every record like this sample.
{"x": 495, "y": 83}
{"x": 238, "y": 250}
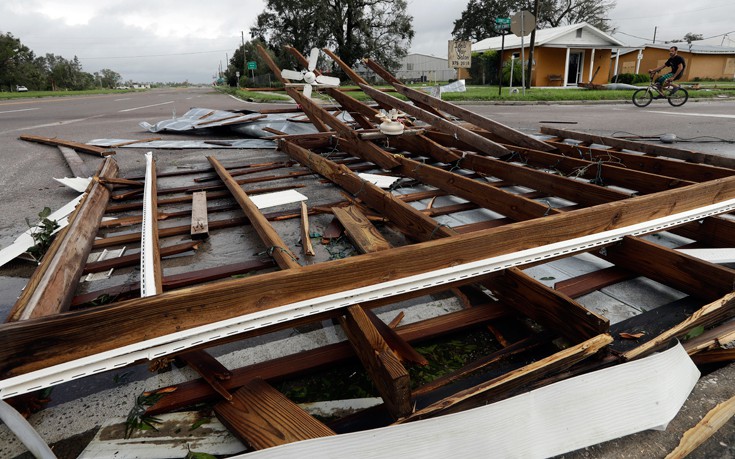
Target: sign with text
{"x": 460, "y": 54}
{"x": 502, "y": 24}
{"x": 252, "y": 65}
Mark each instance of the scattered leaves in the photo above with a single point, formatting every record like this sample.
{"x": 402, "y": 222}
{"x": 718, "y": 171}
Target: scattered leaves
{"x": 42, "y": 234}
{"x": 694, "y": 332}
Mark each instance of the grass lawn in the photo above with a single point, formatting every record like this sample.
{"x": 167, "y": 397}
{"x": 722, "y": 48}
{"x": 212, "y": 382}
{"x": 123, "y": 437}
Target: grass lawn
{"x": 32, "y": 94}
{"x": 490, "y": 93}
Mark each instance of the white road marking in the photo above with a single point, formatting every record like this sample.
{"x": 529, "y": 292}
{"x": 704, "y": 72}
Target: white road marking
{"x": 711, "y": 115}
{"x": 60, "y": 123}
{"x": 20, "y": 110}
{"x": 118, "y": 100}
{"x": 145, "y": 106}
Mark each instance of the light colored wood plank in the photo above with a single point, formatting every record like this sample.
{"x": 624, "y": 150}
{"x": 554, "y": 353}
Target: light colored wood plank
{"x": 199, "y": 219}
{"x": 360, "y": 230}
{"x": 482, "y": 393}
{"x": 263, "y": 417}
{"x": 51, "y": 288}
{"x": 306, "y": 244}
{"x": 75, "y": 163}
{"x": 708, "y": 426}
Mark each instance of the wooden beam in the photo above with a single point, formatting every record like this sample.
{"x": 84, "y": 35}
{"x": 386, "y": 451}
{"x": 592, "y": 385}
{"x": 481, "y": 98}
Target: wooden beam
{"x": 277, "y": 248}
{"x": 481, "y": 193}
{"x": 51, "y": 287}
{"x": 502, "y": 386}
{"x": 75, "y": 163}
{"x": 712, "y": 313}
{"x": 306, "y": 245}
{"x": 361, "y": 232}
{"x": 654, "y": 165}
{"x": 209, "y": 369}
{"x": 80, "y": 147}
{"x": 262, "y": 417}
{"x": 509, "y": 134}
{"x": 554, "y": 185}
{"x": 134, "y": 258}
{"x": 683, "y": 272}
{"x": 661, "y": 150}
{"x": 388, "y": 374}
{"x": 601, "y": 173}
{"x": 548, "y": 307}
{"x": 587, "y": 283}
{"x": 403, "y": 215}
{"x": 484, "y": 145}
{"x": 199, "y": 221}
{"x": 198, "y": 391}
{"x": 40, "y": 343}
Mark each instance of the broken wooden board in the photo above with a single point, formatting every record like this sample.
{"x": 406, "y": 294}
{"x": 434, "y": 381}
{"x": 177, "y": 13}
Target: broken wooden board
{"x": 263, "y": 417}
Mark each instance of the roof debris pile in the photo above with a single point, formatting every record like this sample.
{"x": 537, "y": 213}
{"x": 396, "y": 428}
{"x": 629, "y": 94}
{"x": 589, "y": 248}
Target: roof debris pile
{"x": 526, "y": 241}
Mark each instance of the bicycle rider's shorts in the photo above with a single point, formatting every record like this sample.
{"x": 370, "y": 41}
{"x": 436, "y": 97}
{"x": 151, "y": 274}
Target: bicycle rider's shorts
{"x": 663, "y": 78}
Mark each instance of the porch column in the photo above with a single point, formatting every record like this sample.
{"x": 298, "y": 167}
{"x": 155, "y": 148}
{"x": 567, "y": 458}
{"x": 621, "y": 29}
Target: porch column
{"x": 592, "y": 64}
{"x": 566, "y": 67}
{"x": 617, "y": 59}
{"x": 638, "y": 61}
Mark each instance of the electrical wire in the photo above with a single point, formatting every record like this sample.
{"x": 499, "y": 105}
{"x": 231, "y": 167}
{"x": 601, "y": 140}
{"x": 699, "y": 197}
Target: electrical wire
{"x": 698, "y": 139}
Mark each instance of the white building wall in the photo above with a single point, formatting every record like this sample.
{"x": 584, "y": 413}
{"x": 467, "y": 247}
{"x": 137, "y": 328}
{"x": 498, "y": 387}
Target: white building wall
{"x": 421, "y": 67}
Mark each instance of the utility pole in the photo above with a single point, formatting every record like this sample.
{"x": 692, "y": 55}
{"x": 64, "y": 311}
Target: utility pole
{"x": 244, "y": 61}
{"x": 655, "y": 29}
{"x": 530, "y": 48}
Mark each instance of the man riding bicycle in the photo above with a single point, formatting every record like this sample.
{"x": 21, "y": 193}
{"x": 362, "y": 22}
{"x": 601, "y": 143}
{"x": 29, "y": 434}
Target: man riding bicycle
{"x": 677, "y": 65}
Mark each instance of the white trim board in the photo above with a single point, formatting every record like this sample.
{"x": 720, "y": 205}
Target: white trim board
{"x": 175, "y": 342}
{"x": 556, "y": 419}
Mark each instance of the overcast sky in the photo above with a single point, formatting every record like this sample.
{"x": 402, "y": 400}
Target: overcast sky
{"x": 173, "y": 41}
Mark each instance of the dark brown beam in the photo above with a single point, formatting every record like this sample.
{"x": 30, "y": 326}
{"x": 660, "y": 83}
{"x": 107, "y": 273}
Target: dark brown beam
{"x": 39, "y": 343}
{"x": 683, "y": 272}
{"x": 80, "y": 147}
{"x": 661, "y": 150}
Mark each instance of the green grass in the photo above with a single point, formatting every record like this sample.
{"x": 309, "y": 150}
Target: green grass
{"x": 256, "y": 96}
{"x": 32, "y": 94}
{"x": 490, "y": 93}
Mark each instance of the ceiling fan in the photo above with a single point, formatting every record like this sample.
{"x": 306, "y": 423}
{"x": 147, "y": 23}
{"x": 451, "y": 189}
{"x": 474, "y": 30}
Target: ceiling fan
{"x": 308, "y": 76}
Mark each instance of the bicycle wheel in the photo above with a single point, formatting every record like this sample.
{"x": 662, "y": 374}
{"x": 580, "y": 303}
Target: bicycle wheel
{"x": 642, "y": 97}
{"x": 678, "y": 97}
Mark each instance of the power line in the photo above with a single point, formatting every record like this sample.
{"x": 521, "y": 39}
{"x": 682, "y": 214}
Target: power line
{"x": 158, "y": 55}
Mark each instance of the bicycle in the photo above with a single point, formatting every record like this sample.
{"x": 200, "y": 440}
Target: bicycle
{"x": 676, "y": 95}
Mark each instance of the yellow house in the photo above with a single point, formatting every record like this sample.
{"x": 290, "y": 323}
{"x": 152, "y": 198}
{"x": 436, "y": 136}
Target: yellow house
{"x": 703, "y": 62}
{"x": 563, "y": 56}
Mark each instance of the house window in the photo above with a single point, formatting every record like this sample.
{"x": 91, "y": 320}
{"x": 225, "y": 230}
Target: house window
{"x": 409, "y": 66}
{"x": 579, "y": 33}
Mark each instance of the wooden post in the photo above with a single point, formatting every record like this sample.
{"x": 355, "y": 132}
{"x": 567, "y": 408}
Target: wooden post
{"x": 387, "y": 373}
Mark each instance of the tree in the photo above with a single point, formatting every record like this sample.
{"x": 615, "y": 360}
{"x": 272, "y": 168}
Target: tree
{"x": 689, "y": 38}
{"x": 109, "y": 78}
{"x": 353, "y": 29}
{"x": 477, "y": 21}
{"x": 15, "y": 59}
{"x": 246, "y": 53}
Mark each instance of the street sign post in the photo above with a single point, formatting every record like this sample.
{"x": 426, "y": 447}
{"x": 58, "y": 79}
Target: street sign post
{"x": 521, "y": 24}
{"x": 502, "y": 24}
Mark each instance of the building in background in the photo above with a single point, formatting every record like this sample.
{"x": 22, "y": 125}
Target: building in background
{"x": 703, "y": 62}
{"x": 563, "y": 56}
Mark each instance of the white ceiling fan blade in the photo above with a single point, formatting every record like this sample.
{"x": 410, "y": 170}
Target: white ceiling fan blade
{"x": 331, "y": 81}
{"x": 313, "y": 56}
{"x": 307, "y": 90}
{"x": 292, "y": 74}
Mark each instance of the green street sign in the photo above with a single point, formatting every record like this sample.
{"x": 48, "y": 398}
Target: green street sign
{"x": 502, "y": 21}
{"x": 252, "y": 65}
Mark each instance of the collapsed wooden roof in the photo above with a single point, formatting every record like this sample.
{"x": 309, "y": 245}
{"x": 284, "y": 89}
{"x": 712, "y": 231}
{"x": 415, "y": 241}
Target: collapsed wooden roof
{"x": 542, "y": 200}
